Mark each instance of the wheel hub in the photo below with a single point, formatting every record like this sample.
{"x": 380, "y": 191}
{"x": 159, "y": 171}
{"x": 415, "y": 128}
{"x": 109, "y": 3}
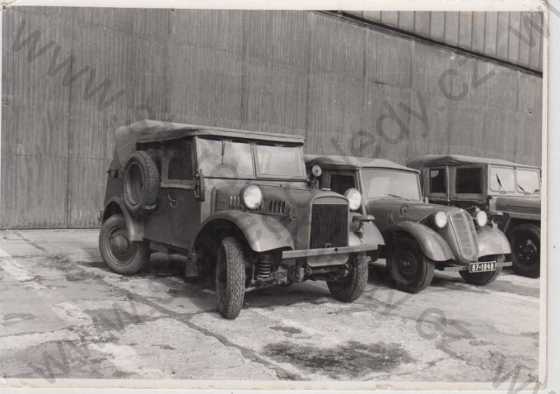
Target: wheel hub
{"x": 527, "y": 251}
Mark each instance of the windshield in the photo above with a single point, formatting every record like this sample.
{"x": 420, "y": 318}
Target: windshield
{"x": 280, "y": 161}
{"x": 385, "y": 182}
{"x": 225, "y": 159}
{"x": 502, "y": 179}
{"x": 528, "y": 181}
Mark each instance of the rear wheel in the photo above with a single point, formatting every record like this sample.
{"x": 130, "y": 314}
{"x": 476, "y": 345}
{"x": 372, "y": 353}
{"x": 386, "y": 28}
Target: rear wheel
{"x": 525, "y": 245}
{"x": 352, "y": 286}
{"x": 410, "y": 270}
{"x": 230, "y": 278}
{"x": 120, "y": 253}
{"x": 482, "y": 278}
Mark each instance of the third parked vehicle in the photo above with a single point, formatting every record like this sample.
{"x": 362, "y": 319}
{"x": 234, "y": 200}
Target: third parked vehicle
{"x": 419, "y": 236}
{"x": 510, "y": 192}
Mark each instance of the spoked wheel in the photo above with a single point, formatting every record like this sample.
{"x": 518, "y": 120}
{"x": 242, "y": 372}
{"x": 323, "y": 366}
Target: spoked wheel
{"x": 410, "y": 270}
{"x": 525, "y": 242}
{"x": 352, "y": 286}
{"x": 119, "y": 253}
{"x": 483, "y": 278}
{"x": 230, "y": 278}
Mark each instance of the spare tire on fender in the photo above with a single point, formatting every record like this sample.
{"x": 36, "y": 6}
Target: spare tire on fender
{"x": 140, "y": 183}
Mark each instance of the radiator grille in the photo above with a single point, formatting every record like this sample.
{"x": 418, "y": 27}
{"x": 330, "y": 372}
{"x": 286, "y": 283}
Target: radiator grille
{"x": 329, "y": 225}
{"x": 466, "y": 235}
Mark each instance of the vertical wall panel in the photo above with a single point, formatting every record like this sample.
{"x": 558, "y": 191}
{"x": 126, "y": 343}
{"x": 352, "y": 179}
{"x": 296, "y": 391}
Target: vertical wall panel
{"x": 348, "y": 88}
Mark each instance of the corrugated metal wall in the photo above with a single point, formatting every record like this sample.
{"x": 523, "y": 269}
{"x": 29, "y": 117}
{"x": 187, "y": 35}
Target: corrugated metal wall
{"x": 514, "y": 37}
{"x": 70, "y": 76}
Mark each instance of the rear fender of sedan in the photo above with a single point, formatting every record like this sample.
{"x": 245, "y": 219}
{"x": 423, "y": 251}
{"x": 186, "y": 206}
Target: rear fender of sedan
{"x": 492, "y": 241}
{"x": 433, "y": 246}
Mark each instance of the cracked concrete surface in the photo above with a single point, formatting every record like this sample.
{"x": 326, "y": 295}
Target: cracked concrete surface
{"x": 63, "y": 315}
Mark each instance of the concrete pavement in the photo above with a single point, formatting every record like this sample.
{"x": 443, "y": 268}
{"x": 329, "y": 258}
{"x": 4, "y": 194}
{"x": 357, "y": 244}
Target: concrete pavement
{"x": 63, "y": 314}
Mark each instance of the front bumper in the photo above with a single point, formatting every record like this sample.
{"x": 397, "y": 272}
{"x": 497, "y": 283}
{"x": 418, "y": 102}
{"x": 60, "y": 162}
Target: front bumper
{"x": 341, "y": 250}
{"x": 465, "y": 267}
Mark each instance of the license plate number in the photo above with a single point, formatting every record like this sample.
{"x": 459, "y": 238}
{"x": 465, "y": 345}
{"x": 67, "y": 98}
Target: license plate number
{"x": 486, "y": 266}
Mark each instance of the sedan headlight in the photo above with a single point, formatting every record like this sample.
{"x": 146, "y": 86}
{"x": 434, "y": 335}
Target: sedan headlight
{"x": 481, "y": 218}
{"x": 440, "y": 219}
{"x": 354, "y": 199}
{"x": 252, "y": 196}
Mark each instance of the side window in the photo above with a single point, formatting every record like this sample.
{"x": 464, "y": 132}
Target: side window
{"x": 179, "y": 165}
{"x": 341, "y": 183}
{"x": 438, "y": 180}
{"x": 468, "y": 180}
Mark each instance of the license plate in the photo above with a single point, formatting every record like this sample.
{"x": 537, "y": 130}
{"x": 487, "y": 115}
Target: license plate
{"x": 486, "y": 266}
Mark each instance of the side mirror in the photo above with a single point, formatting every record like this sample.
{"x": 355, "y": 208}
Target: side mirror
{"x": 199, "y": 187}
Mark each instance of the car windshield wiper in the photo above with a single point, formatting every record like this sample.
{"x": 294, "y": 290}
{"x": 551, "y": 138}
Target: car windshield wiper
{"x": 393, "y": 195}
{"x": 500, "y": 182}
{"x": 522, "y": 189}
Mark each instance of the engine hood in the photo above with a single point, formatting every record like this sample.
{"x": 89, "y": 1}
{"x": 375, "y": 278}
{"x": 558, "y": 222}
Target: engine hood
{"x": 518, "y": 206}
{"x": 389, "y": 211}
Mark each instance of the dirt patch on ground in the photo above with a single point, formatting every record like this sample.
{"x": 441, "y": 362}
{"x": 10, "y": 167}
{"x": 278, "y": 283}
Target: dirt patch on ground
{"x": 352, "y": 358}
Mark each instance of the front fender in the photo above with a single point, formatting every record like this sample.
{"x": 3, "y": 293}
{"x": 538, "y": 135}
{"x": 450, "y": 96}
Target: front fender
{"x": 370, "y": 236}
{"x": 262, "y": 232}
{"x": 134, "y": 227}
{"x": 431, "y": 243}
{"x": 492, "y": 241}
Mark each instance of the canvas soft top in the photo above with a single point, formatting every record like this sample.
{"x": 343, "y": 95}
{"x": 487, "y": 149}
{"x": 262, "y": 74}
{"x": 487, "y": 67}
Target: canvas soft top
{"x": 354, "y": 162}
{"x": 154, "y": 130}
{"x": 453, "y": 160}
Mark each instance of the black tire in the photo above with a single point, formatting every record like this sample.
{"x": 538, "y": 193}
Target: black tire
{"x": 410, "y": 270}
{"x": 140, "y": 183}
{"x": 526, "y": 250}
{"x": 352, "y": 286}
{"x": 230, "y": 278}
{"x": 482, "y": 278}
{"x": 118, "y": 252}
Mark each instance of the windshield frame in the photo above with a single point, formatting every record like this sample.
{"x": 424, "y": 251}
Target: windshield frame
{"x": 517, "y": 191}
{"x": 363, "y": 184}
{"x": 528, "y": 169}
{"x": 254, "y": 160}
{"x": 502, "y": 191}
{"x": 301, "y": 161}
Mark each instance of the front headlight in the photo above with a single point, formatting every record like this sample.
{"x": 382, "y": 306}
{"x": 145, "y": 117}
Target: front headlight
{"x": 252, "y": 196}
{"x": 481, "y": 218}
{"x": 440, "y": 219}
{"x": 354, "y": 199}
{"x": 316, "y": 170}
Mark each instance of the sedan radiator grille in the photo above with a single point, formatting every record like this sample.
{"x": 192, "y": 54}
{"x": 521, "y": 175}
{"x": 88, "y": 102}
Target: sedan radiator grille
{"x": 465, "y": 233}
{"x": 329, "y": 225}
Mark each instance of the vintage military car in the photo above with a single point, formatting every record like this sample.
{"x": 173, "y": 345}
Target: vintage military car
{"x": 419, "y": 237}
{"x": 237, "y": 204}
{"x": 509, "y": 192}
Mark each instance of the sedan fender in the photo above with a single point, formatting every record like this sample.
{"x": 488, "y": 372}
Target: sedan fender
{"x": 492, "y": 241}
{"x": 262, "y": 232}
{"x": 370, "y": 235}
{"x": 432, "y": 244}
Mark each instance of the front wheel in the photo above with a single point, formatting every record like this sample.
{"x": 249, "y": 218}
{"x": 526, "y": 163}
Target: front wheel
{"x": 525, "y": 245}
{"x": 482, "y": 278}
{"x": 410, "y": 270}
{"x": 120, "y": 253}
{"x": 352, "y": 286}
{"x": 230, "y": 278}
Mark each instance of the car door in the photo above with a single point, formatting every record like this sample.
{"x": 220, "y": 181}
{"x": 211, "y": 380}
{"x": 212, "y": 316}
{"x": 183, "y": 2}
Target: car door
{"x": 177, "y": 217}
